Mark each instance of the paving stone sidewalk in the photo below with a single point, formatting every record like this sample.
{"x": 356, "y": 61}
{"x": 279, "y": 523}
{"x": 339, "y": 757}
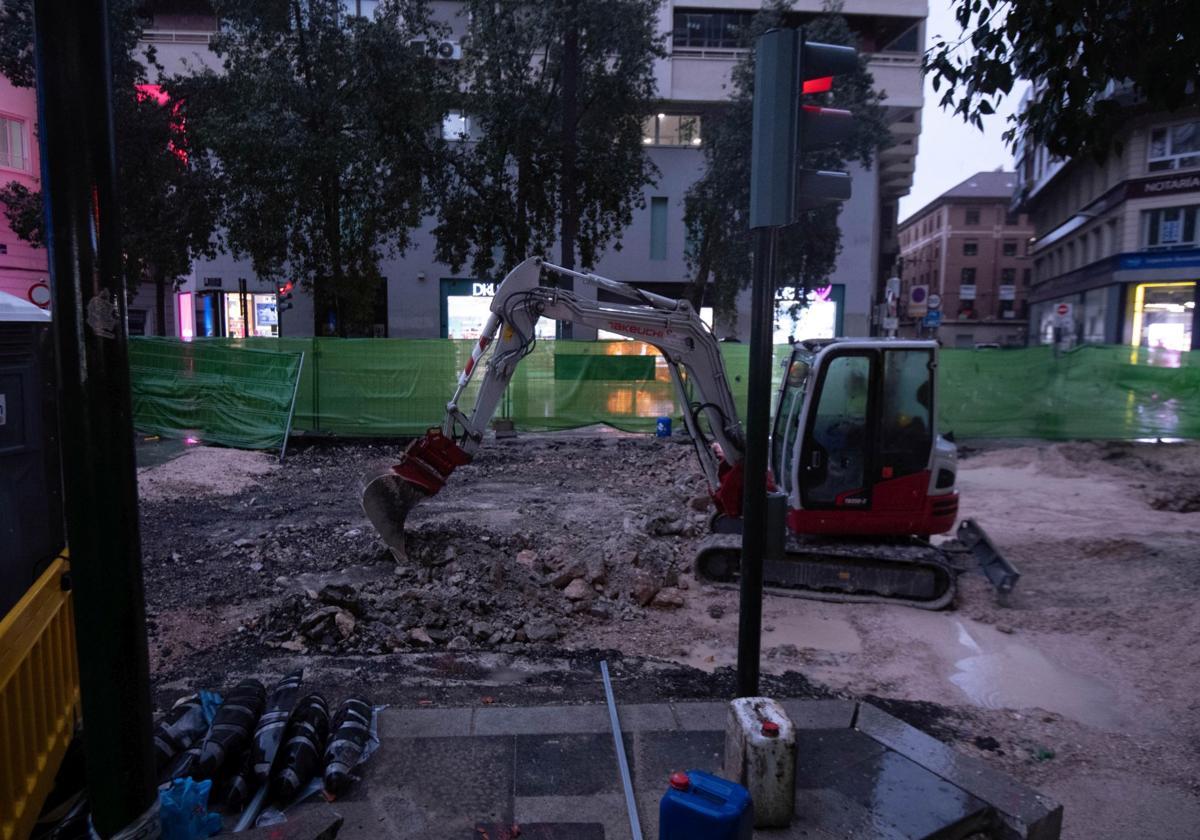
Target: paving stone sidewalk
{"x": 454, "y": 774}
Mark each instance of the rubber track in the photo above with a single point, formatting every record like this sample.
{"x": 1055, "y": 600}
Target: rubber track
{"x": 911, "y": 554}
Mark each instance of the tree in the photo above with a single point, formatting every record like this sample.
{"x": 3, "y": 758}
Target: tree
{"x": 1088, "y": 59}
{"x": 322, "y": 131}
{"x": 717, "y": 206}
{"x": 554, "y": 95}
{"x": 166, "y": 197}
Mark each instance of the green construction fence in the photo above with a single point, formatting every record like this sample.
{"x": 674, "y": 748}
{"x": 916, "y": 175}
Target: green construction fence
{"x": 239, "y": 392}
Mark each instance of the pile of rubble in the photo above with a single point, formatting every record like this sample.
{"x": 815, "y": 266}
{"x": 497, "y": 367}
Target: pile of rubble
{"x": 465, "y": 587}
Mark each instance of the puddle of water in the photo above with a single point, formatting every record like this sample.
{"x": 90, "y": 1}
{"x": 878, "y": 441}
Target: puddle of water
{"x": 1000, "y": 673}
{"x": 805, "y": 630}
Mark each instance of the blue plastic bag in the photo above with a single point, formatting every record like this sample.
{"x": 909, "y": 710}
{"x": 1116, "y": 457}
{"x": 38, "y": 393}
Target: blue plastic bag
{"x": 183, "y": 808}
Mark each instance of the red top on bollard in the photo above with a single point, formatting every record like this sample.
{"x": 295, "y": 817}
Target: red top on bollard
{"x": 770, "y": 728}
{"x": 680, "y": 780}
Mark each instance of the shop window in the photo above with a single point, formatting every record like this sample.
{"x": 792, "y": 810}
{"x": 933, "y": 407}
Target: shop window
{"x": 671, "y": 130}
{"x": 12, "y": 143}
{"x": 966, "y": 310}
{"x": 1162, "y": 315}
{"x": 972, "y": 216}
{"x": 1007, "y": 309}
{"x": 1174, "y": 147}
{"x": 696, "y": 30}
{"x": 658, "y": 228}
{"x": 970, "y": 249}
{"x": 1170, "y": 227}
{"x": 1010, "y": 248}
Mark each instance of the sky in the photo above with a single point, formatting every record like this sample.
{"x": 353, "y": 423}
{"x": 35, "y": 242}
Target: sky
{"x": 950, "y": 150}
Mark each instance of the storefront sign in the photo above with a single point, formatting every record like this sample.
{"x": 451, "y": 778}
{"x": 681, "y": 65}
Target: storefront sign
{"x": 265, "y": 313}
{"x": 1163, "y": 259}
{"x": 212, "y": 282}
{"x": 1008, "y": 293}
{"x": 1164, "y": 185}
{"x": 966, "y": 291}
{"x": 483, "y": 290}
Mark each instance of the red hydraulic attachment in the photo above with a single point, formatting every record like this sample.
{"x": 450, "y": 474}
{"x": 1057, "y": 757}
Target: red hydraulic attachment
{"x": 428, "y": 461}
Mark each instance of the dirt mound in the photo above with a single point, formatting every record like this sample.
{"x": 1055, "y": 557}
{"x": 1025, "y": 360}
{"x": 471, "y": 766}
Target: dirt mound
{"x": 204, "y": 471}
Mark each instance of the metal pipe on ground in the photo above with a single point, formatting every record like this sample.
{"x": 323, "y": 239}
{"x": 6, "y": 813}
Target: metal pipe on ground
{"x": 83, "y": 239}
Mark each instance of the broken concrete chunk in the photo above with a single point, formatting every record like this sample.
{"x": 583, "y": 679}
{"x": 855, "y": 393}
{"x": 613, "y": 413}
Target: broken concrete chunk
{"x": 540, "y": 630}
{"x": 419, "y": 636}
{"x": 458, "y": 643}
{"x": 577, "y": 590}
{"x": 527, "y": 558}
{"x": 668, "y": 599}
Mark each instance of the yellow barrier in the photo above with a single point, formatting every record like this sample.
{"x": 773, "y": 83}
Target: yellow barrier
{"x": 39, "y": 698}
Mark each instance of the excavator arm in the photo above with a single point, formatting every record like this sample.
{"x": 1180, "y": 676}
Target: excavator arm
{"x": 672, "y": 326}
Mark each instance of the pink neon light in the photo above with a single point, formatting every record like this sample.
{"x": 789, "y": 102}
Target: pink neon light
{"x": 185, "y": 316}
{"x": 823, "y": 292}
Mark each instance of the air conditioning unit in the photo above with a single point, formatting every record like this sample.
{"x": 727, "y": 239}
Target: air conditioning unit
{"x": 444, "y": 50}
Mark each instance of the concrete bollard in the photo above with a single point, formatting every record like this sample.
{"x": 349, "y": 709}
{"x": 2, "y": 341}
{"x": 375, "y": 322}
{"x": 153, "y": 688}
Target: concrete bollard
{"x": 760, "y": 755}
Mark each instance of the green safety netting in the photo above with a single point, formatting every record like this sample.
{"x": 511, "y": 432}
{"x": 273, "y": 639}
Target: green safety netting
{"x": 388, "y": 387}
{"x": 215, "y": 392}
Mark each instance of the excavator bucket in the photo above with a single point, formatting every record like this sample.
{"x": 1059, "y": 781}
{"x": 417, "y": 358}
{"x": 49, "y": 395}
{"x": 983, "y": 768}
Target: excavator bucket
{"x": 390, "y": 493}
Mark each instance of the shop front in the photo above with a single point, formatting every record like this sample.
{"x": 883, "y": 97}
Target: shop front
{"x": 221, "y": 314}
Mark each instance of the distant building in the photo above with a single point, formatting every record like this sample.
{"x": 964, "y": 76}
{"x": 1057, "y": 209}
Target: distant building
{"x": 1117, "y": 253}
{"x": 422, "y": 298}
{"x": 23, "y": 269}
{"x": 966, "y": 254}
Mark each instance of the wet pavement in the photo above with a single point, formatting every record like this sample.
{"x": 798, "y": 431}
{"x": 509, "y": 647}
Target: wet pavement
{"x": 454, "y": 774}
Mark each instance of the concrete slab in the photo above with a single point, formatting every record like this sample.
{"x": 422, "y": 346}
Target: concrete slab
{"x": 540, "y": 720}
{"x": 439, "y": 788}
{"x": 425, "y": 723}
{"x": 821, "y": 714}
{"x": 640, "y": 717}
{"x": 1025, "y": 812}
{"x": 701, "y": 717}
{"x": 554, "y": 769}
{"x": 566, "y": 765}
{"x": 539, "y": 831}
{"x": 602, "y": 815}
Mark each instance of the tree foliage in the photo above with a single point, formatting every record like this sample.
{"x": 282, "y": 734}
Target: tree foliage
{"x": 322, "y": 131}
{"x": 717, "y": 206}
{"x": 511, "y": 191}
{"x": 1088, "y": 59}
{"x": 166, "y": 199}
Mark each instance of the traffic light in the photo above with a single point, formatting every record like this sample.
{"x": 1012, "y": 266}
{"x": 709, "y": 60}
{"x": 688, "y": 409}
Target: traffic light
{"x": 283, "y": 296}
{"x": 788, "y": 67}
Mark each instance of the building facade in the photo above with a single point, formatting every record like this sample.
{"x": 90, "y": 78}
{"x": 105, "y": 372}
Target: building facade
{"x": 24, "y": 270}
{"x": 1116, "y": 256}
{"x": 424, "y": 298}
{"x": 964, "y": 266}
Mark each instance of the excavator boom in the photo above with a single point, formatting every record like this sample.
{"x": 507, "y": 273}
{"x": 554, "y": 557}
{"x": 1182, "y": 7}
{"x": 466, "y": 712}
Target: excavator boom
{"x": 673, "y": 327}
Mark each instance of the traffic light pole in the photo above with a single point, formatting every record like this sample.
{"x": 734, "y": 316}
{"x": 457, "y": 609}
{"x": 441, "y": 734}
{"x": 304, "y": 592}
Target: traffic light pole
{"x": 83, "y": 240}
{"x": 758, "y": 422}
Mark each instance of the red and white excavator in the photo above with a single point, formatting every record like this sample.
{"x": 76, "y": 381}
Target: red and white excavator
{"x": 861, "y": 477}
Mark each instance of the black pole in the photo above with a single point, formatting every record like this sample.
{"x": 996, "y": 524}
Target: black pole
{"x": 83, "y": 238}
{"x": 758, "y": 421}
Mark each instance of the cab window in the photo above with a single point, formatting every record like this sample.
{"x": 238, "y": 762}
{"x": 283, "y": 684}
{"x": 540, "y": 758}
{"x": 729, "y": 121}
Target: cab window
{"x": 907, "y": 418}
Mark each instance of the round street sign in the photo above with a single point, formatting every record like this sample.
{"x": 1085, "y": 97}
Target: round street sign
{"x": 1063, "y": 309}
{"x": 39, "y": 294}
{"x": 917, "y": 294}
{"x": 935, "y": 301}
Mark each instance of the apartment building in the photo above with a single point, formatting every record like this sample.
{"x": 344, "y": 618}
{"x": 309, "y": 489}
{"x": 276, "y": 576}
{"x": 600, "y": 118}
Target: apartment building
{"x": 1116, "y": 256}
{"x": 424, "y": 298}
{"x": 24, "y": 271}
{"x": 965, "y": 272}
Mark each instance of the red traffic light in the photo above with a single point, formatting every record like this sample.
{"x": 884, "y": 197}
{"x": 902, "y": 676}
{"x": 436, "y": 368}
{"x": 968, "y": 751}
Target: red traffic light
{"x": 821, "y": 85}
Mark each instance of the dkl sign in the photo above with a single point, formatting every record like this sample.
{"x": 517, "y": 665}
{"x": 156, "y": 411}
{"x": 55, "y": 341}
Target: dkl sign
{"x": 483, "y": 290}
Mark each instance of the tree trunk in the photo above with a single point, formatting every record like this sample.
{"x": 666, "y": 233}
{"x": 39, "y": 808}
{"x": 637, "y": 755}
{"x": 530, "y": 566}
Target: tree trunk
{"x": 569, "y": 229}
{"x": 160, "y": 303}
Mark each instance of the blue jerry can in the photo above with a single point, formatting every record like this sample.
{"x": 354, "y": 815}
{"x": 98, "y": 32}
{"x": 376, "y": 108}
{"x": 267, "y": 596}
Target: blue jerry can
{"x": 663, "y": 428}
{"x": 701, "y": 806}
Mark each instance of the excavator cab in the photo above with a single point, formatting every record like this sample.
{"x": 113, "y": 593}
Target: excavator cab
{"x": 855, "y": 444}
